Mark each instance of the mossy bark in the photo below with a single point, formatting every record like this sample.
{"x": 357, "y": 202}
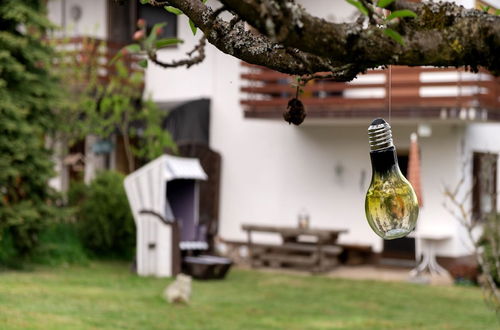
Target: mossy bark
{"x": 295, "y": 42}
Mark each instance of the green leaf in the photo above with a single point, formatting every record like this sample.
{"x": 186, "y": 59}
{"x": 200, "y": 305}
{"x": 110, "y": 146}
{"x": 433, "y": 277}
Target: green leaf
{"x": 485, "y": 8}
{"x": 144, "y": 2}
{"x": 116, "y": 57}
{"x": 497, "y": 12}
{"x": 152, "y": 35}
{"x": 168, "y": 42}
{"x": 173, "y": 10}
{"x": 133, "y": 48}
{"x": 394, "y": 35}
{"x": 384, "y": 3}
{"x": 143, "y": 63}
{"x": 193, "y": 27}
{"x": 157, "y": 26}
{"x": 359, "y": 5}
{"x": 122, "y": 70}
{"x": 401, "y": 13}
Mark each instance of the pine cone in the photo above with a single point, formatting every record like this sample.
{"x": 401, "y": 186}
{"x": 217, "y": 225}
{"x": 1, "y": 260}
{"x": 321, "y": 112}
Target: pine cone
{"x": 295, "y": 113}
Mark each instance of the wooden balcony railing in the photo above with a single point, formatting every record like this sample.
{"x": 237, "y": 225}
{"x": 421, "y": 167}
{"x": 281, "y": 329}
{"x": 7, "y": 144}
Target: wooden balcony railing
{"x": 416, "y": 92}
{"x": 85, "y": 58}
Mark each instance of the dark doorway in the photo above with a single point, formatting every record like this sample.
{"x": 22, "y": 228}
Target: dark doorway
{"x": 181, "y": 195}
{"x": 401, "y": 251}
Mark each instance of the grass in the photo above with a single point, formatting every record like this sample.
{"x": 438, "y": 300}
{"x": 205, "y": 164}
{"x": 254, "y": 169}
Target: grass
{"x": 108, "y": 296}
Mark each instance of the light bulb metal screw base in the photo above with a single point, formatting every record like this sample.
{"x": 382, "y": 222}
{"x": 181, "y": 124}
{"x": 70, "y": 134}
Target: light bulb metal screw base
{"x": 380, "y": 135}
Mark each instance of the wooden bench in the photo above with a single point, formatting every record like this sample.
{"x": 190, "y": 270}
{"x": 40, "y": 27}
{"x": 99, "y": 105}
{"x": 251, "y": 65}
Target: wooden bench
{"x": 294, "y": 255}
{"x": 317, "y": 256}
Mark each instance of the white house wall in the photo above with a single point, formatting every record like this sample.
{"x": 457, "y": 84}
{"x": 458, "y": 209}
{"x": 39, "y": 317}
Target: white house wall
{"x": 272, "y": 170}
{"x": 440, "y": 167}
{"x": 182, "y": 84}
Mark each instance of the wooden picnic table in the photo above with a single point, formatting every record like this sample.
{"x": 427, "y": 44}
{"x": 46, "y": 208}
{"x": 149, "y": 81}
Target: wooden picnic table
{"x": 317, "y": 254}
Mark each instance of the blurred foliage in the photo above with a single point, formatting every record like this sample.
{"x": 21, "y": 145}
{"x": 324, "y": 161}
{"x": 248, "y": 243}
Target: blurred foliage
{"x": 466, "y": 274}
{"x": 7, "y": 251}
{"x": 490, "y": 247}
{"x": 28, "y": 92}
{"x": 104, "y": 221}
{"x": 76, "y": 193}
{"x": 107, "y": 104}
{"x": 154, "y": 138}
{"x": 486, "y": 246}
{"x": 60, "y": 244}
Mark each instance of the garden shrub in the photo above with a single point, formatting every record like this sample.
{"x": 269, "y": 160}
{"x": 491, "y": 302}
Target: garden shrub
{"x": 105, "y": 223}
{"x": 465, "y": 273}
{"x": 76, "y": 194}
{"x": 489, "y": 241}
{"x": 7, "y": 251}
{"x": 60, "y": 244}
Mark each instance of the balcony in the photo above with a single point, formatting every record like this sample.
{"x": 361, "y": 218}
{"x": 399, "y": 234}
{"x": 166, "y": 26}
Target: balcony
{"x": 416, "y": 93}
{"x": 82, "y": 59}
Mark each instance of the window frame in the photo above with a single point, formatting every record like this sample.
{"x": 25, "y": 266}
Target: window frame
{"x": 480, "y": 187}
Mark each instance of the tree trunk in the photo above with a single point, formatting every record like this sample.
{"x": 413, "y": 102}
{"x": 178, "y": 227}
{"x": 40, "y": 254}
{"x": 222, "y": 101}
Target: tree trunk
{"x": 128, "y": 151}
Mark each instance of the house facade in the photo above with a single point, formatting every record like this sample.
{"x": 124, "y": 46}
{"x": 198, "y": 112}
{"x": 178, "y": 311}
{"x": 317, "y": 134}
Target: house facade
{"x": 272, "y": 171}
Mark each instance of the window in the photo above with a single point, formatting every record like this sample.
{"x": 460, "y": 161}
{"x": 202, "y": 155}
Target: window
{"x": 123, "y": 15}
{"x": 484, "y": 188}
{"x": 154, "y": 15}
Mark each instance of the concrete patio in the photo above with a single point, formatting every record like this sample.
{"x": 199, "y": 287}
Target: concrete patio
{"x": 369, "y": 272}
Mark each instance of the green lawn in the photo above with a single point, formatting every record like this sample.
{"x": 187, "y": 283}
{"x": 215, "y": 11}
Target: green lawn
{"x": 108, "y": 296}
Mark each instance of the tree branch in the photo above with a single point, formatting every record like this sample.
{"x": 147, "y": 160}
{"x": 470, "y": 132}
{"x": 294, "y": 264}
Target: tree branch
{"x": 443, "y": 34}
{"x": 251, "y": 47}
{"x": 188, "y": 62}
{"x": 465, "y": 218}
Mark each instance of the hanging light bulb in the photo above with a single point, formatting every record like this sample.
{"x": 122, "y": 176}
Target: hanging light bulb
{"x": 391, "y": 204}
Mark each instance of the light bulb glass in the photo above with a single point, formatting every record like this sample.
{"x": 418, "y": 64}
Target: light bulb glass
{"x": 391, "y": 205}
